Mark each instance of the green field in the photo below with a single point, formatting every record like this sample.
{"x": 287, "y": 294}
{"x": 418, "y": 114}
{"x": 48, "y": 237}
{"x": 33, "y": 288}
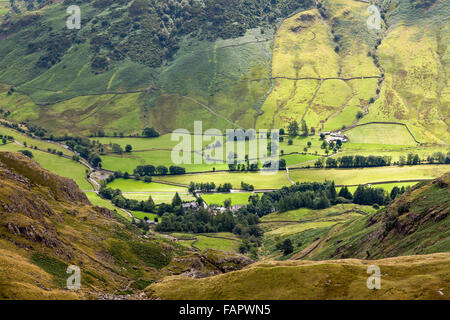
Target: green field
{"x": 381, "y": 134}
{"x": 163, "y": 142}
{"x": 340, "y": 176}
{"x": 131, "y": 185}
{"x": 159, "y": 197}
{"x": 304, "y": 214}
{"x": 224, "y": 241}
{"x": 257, "y": 179}
{"x": 43, "y": 145}
{"x": 128, "y": 162}
{"x": 240, "y": 198}
{"x": 394, "y": 151}
{"x": 141, "y": 191}
{"x": 369, "y": 175}
{"x": 56, "y": 164}
{"x": 386, "y": 186}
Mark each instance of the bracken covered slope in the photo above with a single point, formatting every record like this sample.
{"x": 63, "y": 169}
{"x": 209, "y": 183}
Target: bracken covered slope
{"x": 409, "y": 240}
{"x": 47, "y": 224}
{"x": 416, "y": 223}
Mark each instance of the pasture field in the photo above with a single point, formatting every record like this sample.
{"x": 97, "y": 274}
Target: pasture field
{"x": 299, "y": 143}
{"x": 205, "y": 242}
{"x": 236, "y": 198}
{"x": 141, "y": 215}
{"x": 56, "y": 164}
{"x": 21, "y": 138}
{"x": 295, "y": 159}
{"x": 394, "y": 151}
{"x": 260, "y": 181}
{"x": 390, "y": 134}
{"x": 163, "y": 142}
{"x": 369, "y": 175}
{"x": 386, "y": 186}
{"x": 406, "y": 53}
{"x": 159, "y": 197}
{"x": 139, "y": 190}
{"x": 127, "y": 162}
{"x": 4, "y": 7}
{"x": 131, "y": 185}
{"x": 340, "y": 176}
{"x": 289, "y": 229}
{"x": 224, "y": 241}
{"x": 305, "y": 214}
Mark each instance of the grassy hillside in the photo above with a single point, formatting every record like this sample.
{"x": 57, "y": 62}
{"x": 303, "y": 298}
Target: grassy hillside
{"x": 416, "y": 277}
{"x": 135, "y": 61}
{"x": 415, "y": 223}
{"x": 47, "y": 224}
{"x": 321, "y": 64}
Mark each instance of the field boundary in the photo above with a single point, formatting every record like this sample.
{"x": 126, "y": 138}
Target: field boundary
{"x": 383, "y": 122}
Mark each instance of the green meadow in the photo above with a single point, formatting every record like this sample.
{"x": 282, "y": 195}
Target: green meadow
{"x": 56, "y": 164}
{"x": 139, "y": 190}
{"x": 239, "y": 198}
{"x": 339, "y": 176}
{"x": 390, "y": 134}
{"x": 224, "y": 241}
{"x": 40, "y": 144}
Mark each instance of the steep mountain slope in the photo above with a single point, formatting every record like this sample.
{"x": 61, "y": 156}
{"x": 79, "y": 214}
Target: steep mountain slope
{"x": 410, "y": 241}
{"x": 229, "y": 63}
{"x": 416, "y": 223}
{"x": 415, "y": 277}
{"x": 47, "y": 224}
{"x": 159, "y": 57}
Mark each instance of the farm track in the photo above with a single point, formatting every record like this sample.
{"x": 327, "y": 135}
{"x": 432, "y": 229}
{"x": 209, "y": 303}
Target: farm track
{"x": 302, "y": 254}
{"x": 312, "y": 99}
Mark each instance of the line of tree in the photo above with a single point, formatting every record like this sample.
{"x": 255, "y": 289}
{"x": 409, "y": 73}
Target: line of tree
{"x": 358, "y": 161}
{"x": 151, "y": 170}
{"x": 209, "y": 187}
{"x": 439, "y": 157}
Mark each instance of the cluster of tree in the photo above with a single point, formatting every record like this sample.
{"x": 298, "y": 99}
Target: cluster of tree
{"x": 358, "y": 161}
{"x": 247, "y": 186}
{"x": 281, "y": 164}
{"x": 209, "y": 187}
{"x": 369, "y": 196}
{"x": 410, "y": 159}
{"x": 396, "y": 192}
{"x": 439, "y": 157}
{"x": 242, "y": 167}
{"x": 294, "y": 128}
{"x": 27, "y": 153}
{"x": 285, "y": 246}
{"x": 149, "y": 32}
{"x": 151, "y": 170}
{"x": 414, "y": 159}
{"x": 244, "y": 224}
{"x": 84, "y": 148}
{"x": 116, "y": 148}
{"x": 6, "y": 138}
{"x": 150, "y": 133}
{"x": 313, "y": 195}
{"x": 116, "y": 197}
{"x": 246, "y": 166}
